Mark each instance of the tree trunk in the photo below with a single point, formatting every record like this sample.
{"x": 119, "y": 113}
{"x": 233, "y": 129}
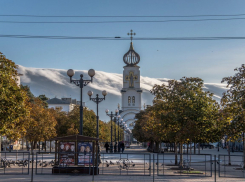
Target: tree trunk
{"x": 190, "y": 151}
{"x": 181, "y": 155}
{"x": 229, "y": 152}
{"x": 152, "y": 146}
{"x": 32, "y": 146}
{"x": 199, "y": 148}
{"x": 243, "y": 139}
{"x": 35, "y": 145}
{"x": 157, "y": 147}
{"x": 1, "y": 150}
{"x": 176, "y": 154}
{"x": 194, "y": 147}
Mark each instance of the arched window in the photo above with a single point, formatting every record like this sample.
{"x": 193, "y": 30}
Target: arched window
{"x": 133, "y": 99}
{"x": 129, "y": 99}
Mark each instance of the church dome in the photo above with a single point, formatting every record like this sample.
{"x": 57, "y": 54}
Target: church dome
{"x": 131, "y": 58}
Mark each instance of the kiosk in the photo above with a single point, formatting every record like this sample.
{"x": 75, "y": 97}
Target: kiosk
{"x": 76, "y": 154}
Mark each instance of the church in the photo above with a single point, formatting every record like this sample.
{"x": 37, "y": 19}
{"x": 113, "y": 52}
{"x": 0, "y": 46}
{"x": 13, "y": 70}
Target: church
{"x": 131, "y": 91}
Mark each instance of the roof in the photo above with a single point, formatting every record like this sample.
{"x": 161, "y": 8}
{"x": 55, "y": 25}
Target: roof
{"x": 75, "y": 137}
{"x": 57, "y": 101}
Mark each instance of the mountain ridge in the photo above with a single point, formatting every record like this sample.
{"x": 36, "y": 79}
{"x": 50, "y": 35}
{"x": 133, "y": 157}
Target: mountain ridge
{"x": 55, "y": 83}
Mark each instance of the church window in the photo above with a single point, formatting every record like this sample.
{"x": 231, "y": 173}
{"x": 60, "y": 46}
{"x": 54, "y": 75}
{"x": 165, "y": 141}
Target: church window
{"x": 133, "y": 99}
{"x": 129, "y": 99}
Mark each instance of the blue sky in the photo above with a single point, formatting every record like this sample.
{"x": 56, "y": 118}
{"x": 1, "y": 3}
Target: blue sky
{"x": 209, "y": 60}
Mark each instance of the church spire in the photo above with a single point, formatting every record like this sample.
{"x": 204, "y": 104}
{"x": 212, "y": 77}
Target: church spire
{"x": 131, "y": 37}
{"x": 131, "y": 58}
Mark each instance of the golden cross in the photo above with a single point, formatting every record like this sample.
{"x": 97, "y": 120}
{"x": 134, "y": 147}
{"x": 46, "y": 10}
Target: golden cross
{"x": 131, "y": 33}
{"x": 131, "y": 77}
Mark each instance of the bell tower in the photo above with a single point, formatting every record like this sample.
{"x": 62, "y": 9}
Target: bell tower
{"x": 131, "y": 91}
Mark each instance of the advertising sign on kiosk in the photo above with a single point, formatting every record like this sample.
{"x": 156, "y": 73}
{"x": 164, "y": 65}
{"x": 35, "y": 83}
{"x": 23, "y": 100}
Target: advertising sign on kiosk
{"x": 67, "y": 153}
{"x": 85, "y": 150}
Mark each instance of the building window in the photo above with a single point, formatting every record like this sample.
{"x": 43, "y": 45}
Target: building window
{"x": 133, "y": 99}
{"x": 129, "y": 99}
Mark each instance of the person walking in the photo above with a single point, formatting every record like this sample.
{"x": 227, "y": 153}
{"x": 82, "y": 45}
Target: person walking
{"x": 119, "y": 147}
{"x": 122, "y": 146}
{"x": 107, "y": 147}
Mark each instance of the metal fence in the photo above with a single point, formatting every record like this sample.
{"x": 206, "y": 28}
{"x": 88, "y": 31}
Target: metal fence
{"x": 14, "y": 163}
{"x": 231, "y": 167}
{"x": 130, "y": 164}
{"x": 44, "y": 162}
{"x": 125, "y": 164}
{"x": 195, "y": 165}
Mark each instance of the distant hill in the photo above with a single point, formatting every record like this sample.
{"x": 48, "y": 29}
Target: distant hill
{"x": 55, "y": 83}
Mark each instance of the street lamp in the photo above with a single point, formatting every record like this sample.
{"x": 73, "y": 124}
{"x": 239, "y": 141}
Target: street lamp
{"x": 111, "y": 116}
{"x": 115, "y": 120}
{"x": 81, "y": 83}
{"x": 123, "y": 129}
{"x": 97, "y": 100}
{"x": 119, "y": 133}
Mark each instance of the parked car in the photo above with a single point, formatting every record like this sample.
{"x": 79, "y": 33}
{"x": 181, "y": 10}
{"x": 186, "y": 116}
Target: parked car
{"x": 127, "y": 145}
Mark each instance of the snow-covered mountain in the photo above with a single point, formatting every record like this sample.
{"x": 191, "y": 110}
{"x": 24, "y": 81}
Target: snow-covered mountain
{"x": 55, "y": 83}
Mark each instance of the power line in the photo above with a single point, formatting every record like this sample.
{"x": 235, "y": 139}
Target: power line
{"x": 121, "y": 38}
{"x": 134, "y": 21}
{"x": 113, "y": 16}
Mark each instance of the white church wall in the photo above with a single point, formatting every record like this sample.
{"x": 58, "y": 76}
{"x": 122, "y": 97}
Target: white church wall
{"x": 136, "y": 71}
{"x": 137, "y": 101}
{"x": 128, "y": 117}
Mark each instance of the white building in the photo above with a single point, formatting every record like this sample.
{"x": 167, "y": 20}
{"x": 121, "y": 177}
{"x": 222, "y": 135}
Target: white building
{"x": 131, "y": 91}
{"x": 64, "y": 104}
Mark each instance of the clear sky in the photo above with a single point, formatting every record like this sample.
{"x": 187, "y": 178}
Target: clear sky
{"x": 208, "y": 59}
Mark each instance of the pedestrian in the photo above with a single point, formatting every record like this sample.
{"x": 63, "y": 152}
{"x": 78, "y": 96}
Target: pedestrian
{"x": 43, "y": 145}
{"x": 106, "y": 147}
{"x": 115, "y": 147}
{"x": 122, "y": 146}
{"x": 119, "y": 147}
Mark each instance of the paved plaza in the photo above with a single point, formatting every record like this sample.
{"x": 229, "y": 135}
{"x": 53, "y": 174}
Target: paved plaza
{"x": 108, "y": 174}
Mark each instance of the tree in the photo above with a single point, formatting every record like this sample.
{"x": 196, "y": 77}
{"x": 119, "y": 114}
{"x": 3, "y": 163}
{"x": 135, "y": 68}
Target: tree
{"x": 233, "y": 103}
{"x": 44, "y": 99}
{"x": 12, "y": 100}
{"x": 40, "y": 125}
{"x": 182, "y": 112}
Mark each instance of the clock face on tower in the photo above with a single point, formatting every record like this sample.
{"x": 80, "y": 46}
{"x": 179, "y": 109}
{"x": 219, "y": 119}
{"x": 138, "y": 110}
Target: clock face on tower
{"x": 131, "y": 78}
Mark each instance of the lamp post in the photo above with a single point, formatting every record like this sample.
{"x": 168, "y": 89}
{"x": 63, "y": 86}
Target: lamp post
{"x": 97, "y": 100}
{"x": 81, "y": 83}
{"x": 119, "y": 133}
{"x": 123, "y": 129}
{"x": 115, "y": 120}
{"x": 111, "y": 116}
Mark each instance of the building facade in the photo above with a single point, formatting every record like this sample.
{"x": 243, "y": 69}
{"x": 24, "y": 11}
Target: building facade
{"x": 64, "y": 104}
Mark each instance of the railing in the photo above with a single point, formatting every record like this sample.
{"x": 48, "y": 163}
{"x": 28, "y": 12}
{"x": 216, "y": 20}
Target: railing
{"x": 130, "y": 164}
{"x": 231, "y": 166}
{"x": 14, "y": 163}
{"x": 199, "y": 165}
